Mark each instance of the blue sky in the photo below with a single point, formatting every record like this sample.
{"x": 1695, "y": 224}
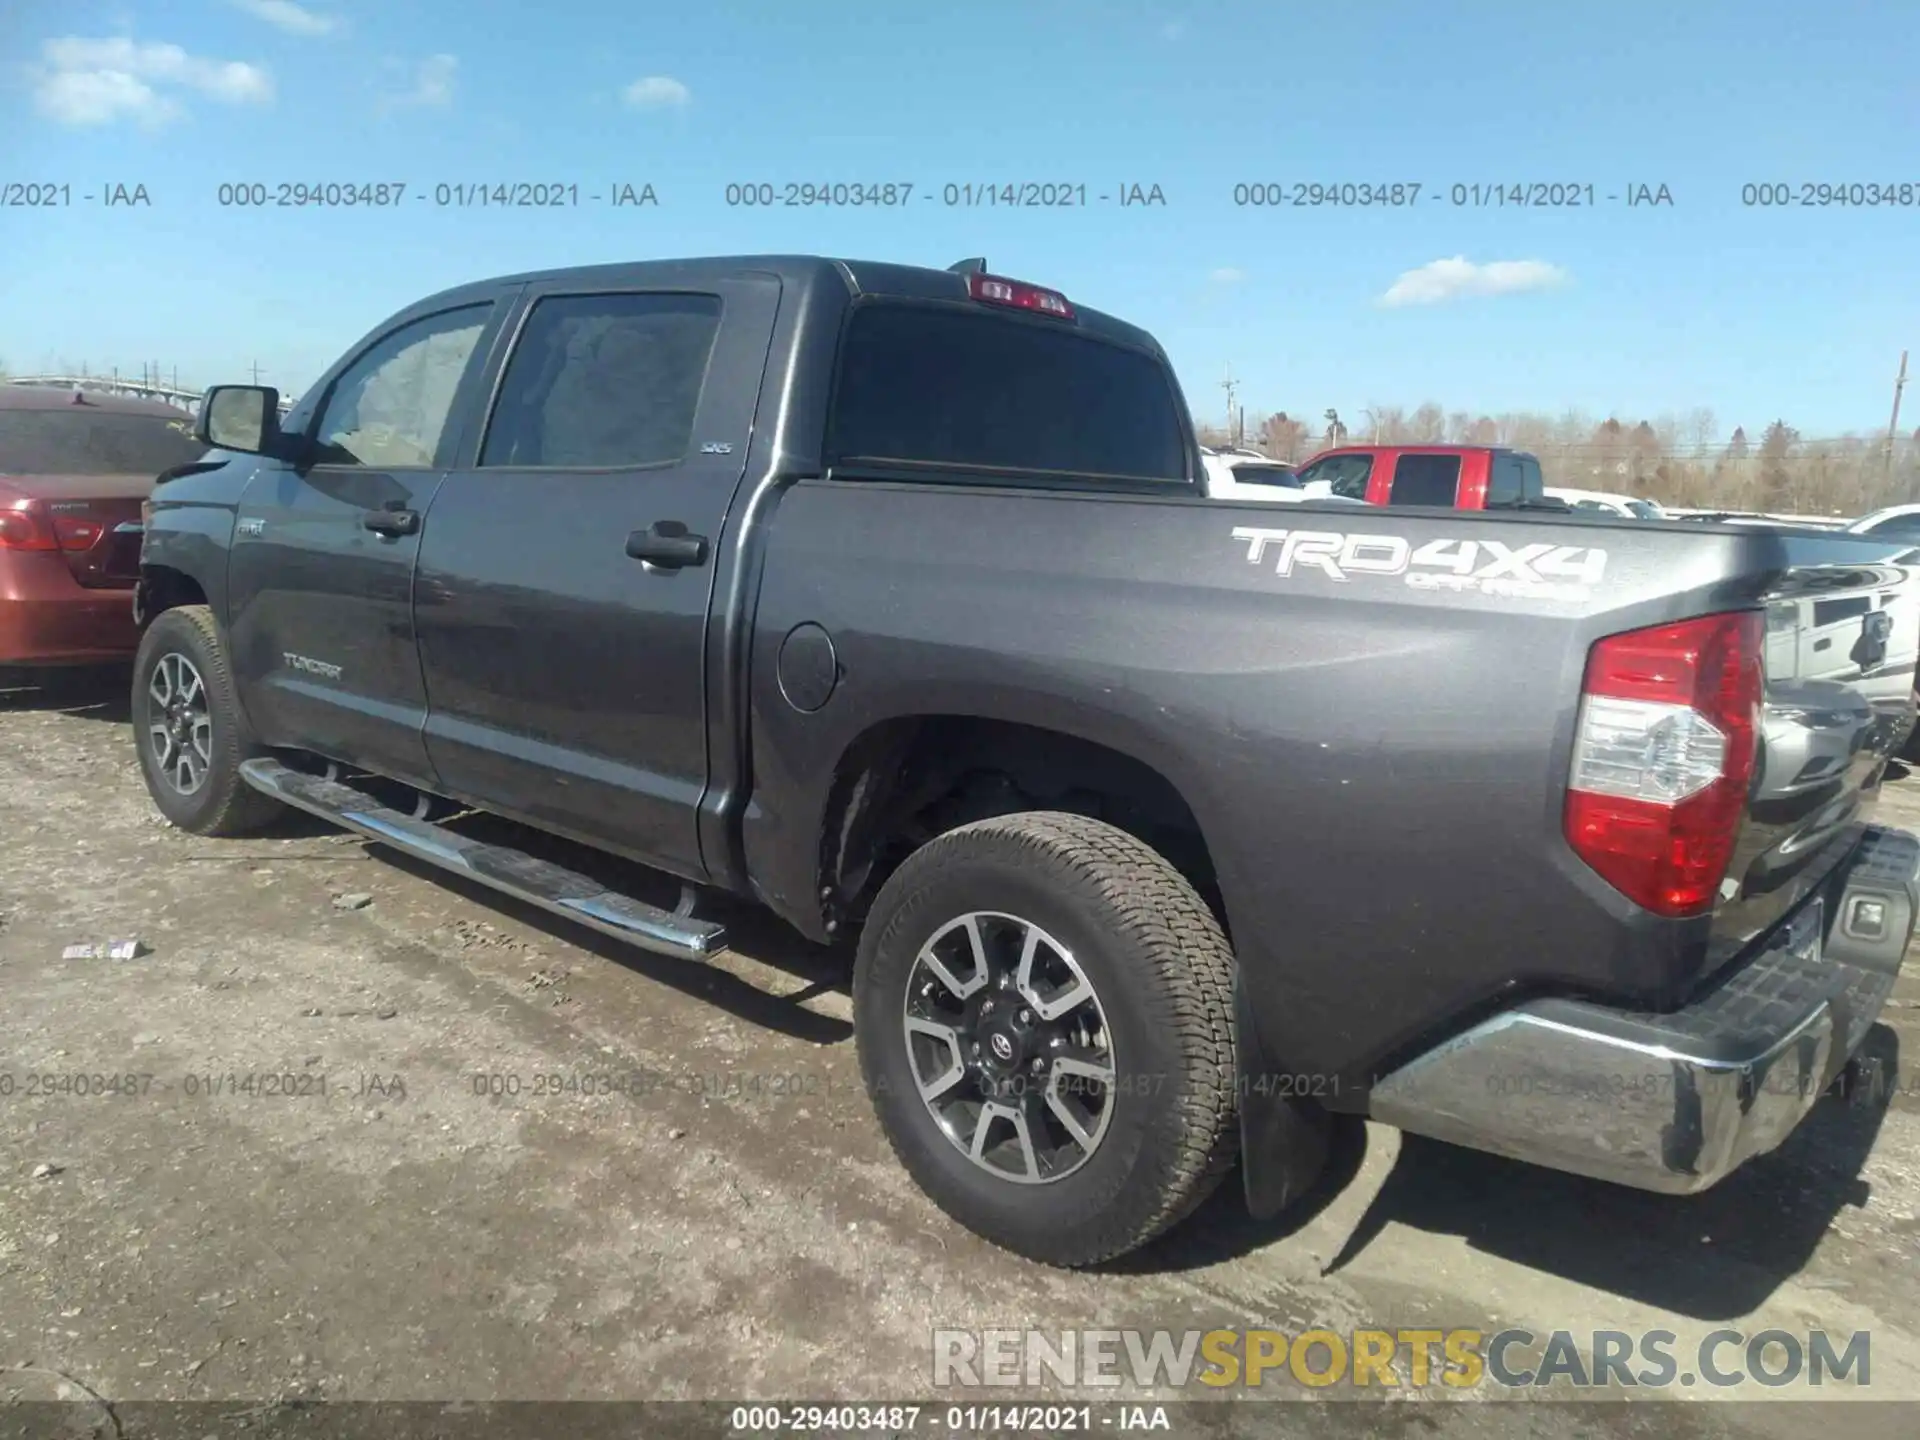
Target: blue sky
{"x": 1756, "y": 313}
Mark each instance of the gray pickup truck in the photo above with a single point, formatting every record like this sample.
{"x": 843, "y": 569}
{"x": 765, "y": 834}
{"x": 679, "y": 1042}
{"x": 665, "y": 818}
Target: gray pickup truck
{"x": 1169, "y": 829}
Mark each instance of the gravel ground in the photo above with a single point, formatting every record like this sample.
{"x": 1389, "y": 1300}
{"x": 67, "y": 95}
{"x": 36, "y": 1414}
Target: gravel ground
{"x": 391, "y": 1224}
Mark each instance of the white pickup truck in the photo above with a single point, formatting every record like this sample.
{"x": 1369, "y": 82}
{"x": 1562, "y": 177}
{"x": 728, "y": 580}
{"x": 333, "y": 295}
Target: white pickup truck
{"x": 1242, "y": 474}
{"x": 1607, "y": 502}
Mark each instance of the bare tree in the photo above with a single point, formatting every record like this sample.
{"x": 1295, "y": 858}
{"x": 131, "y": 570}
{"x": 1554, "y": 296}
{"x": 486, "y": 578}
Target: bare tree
{"x": 1671, "y": 457}
{"x": 1281, "y": 436}
{"x": 1429, "y": 425}
{"x": 1776, "y": 447}
{"x": 1387, "y": 425}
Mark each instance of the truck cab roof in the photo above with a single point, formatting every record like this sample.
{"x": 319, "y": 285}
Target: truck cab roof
{"x": 804, "y": 275}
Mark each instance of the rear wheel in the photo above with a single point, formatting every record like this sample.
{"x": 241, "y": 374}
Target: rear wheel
{"x": 189, "y": 730}
{"x": 1043, "y": 1009}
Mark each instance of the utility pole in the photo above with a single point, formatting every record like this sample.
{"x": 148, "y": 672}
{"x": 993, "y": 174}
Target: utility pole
{"x": 1230, "y": 385}
{"x": 256, "y": 372}
{"x": 1893, "y": 425}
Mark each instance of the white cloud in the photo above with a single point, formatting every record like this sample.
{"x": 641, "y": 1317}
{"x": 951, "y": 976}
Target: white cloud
{"x": 1440, "y": 280}
{"x": 432, "y": 82}
{"x": 287, "y": 16}
{"x": 95, "y": 82}
{"x": 1227, "y": 275}
{"x": 656, "y": 92}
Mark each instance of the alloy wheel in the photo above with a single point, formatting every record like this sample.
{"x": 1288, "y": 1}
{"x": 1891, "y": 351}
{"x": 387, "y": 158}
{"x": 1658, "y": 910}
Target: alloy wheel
{"x": 1009, "y": 1047}
{"x": 179, "y": 727}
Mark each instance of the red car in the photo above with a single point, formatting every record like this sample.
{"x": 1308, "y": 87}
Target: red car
{"x": 1463, "y": 477}
{"x": 74, "y": 469}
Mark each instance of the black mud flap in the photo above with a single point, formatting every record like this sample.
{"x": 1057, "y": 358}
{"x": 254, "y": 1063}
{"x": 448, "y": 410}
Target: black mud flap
{"x": 1284, "y": 1138}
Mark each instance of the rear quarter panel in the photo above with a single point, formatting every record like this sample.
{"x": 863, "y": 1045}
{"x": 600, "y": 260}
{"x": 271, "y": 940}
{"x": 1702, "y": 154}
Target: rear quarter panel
{"x": 1378, "y": 768}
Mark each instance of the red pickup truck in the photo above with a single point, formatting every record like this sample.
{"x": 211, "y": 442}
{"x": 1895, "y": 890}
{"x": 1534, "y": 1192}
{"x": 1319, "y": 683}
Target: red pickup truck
{"x": 1462, "y": 477}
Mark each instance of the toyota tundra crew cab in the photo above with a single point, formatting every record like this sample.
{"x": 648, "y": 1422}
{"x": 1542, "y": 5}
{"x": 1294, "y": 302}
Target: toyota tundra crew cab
{"x": 1162, "y": 830}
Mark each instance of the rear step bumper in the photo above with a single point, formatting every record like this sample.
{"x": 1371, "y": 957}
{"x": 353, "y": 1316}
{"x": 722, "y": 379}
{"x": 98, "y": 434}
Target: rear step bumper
{"x": 512, "y": 872}
{"x": 1675, "y": 1102}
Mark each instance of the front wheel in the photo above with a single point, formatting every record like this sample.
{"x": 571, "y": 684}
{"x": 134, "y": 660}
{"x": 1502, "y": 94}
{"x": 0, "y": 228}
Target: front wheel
{"x": 1043, "y": 1008}
{"x": 190, "y": 732}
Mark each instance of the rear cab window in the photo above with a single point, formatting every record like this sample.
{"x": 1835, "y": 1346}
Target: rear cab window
{"x": 1832, "y": 612}
{"x": 1513, "y": 476}
{"x": 927, "y": 390}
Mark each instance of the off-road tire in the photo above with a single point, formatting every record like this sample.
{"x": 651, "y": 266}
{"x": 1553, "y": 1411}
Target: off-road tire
{"x": 1163, "y": 974}
{"x": 224, "y": 804}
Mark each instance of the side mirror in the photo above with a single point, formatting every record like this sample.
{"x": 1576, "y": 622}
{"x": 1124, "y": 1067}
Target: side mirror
{"x": 245, "y": 418}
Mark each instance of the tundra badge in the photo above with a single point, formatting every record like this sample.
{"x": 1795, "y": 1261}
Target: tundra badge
{"x": 311, "y": 667}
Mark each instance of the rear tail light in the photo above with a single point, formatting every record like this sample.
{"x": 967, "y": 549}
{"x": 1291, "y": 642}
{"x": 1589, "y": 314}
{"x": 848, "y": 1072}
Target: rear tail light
{"x": 998, "y": 290}
{"x": 23, "y": 529}
{"x": 1664, "y": 756}
{"x": 75, "y": 532}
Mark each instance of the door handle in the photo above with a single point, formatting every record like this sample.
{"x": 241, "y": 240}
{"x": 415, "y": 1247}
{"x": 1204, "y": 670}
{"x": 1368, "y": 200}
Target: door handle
{"x": 666, "y": 544}
{"x": 391, "y": 523}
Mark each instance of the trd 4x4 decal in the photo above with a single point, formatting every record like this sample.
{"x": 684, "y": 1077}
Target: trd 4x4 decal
{"x": 1540, "y": 571}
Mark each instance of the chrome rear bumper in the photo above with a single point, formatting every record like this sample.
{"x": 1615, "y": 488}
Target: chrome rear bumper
{"x": 1674, "y": 1102}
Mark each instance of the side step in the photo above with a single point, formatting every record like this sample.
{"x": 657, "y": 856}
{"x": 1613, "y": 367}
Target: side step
{"x": 513, "y": 872}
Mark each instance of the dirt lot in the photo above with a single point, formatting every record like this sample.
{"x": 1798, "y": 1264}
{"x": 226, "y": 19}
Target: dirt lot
{"x": 393, "y": 1230}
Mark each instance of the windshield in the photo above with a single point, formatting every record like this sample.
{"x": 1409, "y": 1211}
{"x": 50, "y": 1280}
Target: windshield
{"x": 1266, "y": 475}
{"x": 80, "y": 440}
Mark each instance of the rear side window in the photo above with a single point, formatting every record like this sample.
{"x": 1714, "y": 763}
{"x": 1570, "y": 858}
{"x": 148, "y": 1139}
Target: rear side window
{"x": 604, "y": 382}
{"x": 930, "y": 386}
{"x": 1425, "y": 480}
